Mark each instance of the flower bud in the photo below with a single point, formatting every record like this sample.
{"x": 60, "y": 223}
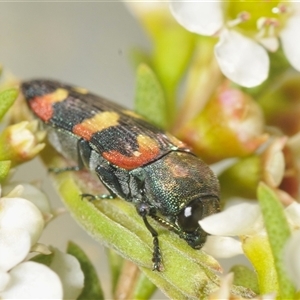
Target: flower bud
{"x": 19, "y": 213}
{"x": 230, "y": 125}
{"x": 241, "y": 179}
{"x": 20, "y": 142}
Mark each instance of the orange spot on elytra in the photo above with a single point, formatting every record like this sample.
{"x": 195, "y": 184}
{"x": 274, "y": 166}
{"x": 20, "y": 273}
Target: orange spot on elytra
{"x": 148, "y": 150}
{"x": 97, "y": 123}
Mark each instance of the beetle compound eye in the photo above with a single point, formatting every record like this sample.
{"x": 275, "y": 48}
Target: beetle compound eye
{"x": 188, "y": 218}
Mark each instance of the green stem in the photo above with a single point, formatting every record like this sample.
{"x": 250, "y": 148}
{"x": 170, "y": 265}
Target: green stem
{"x": 203, "y": 78}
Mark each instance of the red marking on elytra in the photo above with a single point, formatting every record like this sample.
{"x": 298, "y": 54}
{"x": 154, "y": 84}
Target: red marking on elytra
{"x": 42, "y": 108}
{"x": 148, "y": 151}
{"x": 128, "y": 162}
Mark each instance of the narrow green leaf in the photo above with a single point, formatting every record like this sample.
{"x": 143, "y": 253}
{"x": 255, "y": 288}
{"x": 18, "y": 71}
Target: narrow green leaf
{"x": 257, "y": 249}
{"x": 243, "y": 276}
{"x": 92, "y": 288}
{"x": 4, "y": 169}
{"x": 149, "y": 99}
{"x": 173, "y": 50}
{"x": 144, "y": 288}
{"x": 278, "y": 232}
{"x": 7, "y": 98}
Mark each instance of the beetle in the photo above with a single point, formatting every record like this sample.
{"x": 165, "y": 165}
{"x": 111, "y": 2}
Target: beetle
{"x": 134, "y": 160}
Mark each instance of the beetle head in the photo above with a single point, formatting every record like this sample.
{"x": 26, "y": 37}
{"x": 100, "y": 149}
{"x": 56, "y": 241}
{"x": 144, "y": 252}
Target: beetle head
{"x": 185, "y": 190}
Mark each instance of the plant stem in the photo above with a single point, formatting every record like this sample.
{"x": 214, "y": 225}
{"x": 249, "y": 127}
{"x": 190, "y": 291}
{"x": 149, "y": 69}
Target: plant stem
{"x": 127, "y": 281}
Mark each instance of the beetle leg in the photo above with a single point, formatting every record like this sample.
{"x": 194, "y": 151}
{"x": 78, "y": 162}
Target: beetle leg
{"x": 107, "y": 175}
{"x": 167, "y": 224}
{"x": 83, "y": 155}
{"x": 144, "y": 210}
{"x": 91, "y": 197}
{"x": 61, "y": 170}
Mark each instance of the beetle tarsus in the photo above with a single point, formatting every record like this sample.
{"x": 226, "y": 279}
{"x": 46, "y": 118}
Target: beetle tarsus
{"x": 156, "y": 258}
{"x": 66, "y": 169}
{"x": 91, "y": 197}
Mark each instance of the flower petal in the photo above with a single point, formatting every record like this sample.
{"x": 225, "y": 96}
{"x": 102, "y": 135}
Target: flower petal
{"x": 241, "y": 59}
{"x": 291, "y": 258}
{"x": 222, "y": 246}
{"x": 240, "y": 219}
{"x": 20, "y": 213}
{"x": 293, "y": 214}
{"x": 202, "y": 17}
{"x": 31, "y": 280}
{"x": 14, "y": 247}
{"x": 290, "y": 42}
{"x": 68, "y": 269}
{"x": 4, "y": 280}
{"x": 270, "y": 43}
{"x": 30, "y": 193}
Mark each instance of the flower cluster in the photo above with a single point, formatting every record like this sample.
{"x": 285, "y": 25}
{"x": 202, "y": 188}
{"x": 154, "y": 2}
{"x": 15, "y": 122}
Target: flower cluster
{"x": 245, "y": 36}
{"x": 240, "y": 111}
{"x": 22, "y": 221}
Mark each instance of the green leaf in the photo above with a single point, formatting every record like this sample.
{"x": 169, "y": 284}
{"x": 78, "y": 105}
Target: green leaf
{"x": 7, "y": 98}
{"x": 173, "y": 48}
{"x": 257, "y": 249}
{"x": 243, "y": 276}
{"x": 4, "y": 169}
{"x": 149, "y": 99}
{"x": 117, "y": 224}
{"x": 92, "y": 288}
{"x": 278, "y": 232}
{"x": 43, "y": 259}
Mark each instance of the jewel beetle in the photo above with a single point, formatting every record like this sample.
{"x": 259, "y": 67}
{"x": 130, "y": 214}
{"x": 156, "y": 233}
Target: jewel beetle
{"x": 134, "y": 160}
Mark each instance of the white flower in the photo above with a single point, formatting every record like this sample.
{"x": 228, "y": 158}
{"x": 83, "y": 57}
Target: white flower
{"x": 31, "y": 280}
{"x": 28, "y": 192}
{"x": 293, "y": 215}
{"x": 68, "y": 269}
{"x": 242, "y": 59}
{"x": 14, "y": 247}
{"x": 291, "y": 258}
{"x": 18, "y": 213}
{"x": 240, "y": 218}
{"x": 21, "y": 224}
